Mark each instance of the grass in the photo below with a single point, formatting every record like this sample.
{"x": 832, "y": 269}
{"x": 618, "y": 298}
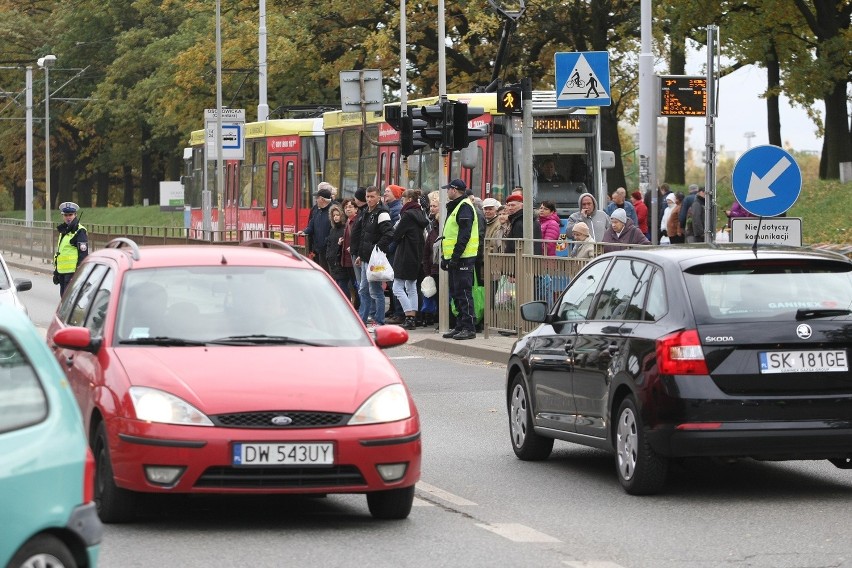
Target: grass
{"x": 820, "y": 206}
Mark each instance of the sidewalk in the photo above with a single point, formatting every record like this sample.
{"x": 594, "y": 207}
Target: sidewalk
{"x": 494, "y": 349}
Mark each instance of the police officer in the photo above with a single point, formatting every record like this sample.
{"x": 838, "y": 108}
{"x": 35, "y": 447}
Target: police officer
{"x": 459, "y": 251}
{"x": 72, "y": 248}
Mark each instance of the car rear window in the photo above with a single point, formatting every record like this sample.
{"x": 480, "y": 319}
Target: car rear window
{"x": 768, "y": 288}
{"x": 22, "y": 399}
{"x": 214, "y": 302}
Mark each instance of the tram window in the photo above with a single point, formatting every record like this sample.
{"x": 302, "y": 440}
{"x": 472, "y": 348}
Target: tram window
{"x": 351, "y": 150}
{"x": 289, "y": 184}
{"x": 275, "y": 184}
{"x": 394, "y": 168}
{"x": 382, "y": 169}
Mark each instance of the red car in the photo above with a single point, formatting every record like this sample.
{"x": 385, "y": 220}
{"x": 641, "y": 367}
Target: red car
{"x": 232, "y": 370}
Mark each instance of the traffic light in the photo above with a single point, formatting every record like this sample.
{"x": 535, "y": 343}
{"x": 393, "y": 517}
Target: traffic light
{"x": 510, "y": 100}
{"x": 457, "y": 117}
{"x": 405, "y": 126}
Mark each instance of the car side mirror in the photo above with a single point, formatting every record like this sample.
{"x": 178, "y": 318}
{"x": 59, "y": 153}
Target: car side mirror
{"x": 79, "y": 338}
{"x": 23, "y": 284}
{"x": 535, "y": 312}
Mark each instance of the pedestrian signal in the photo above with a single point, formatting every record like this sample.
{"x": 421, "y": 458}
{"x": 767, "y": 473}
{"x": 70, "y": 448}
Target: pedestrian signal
{"x": 510, "y": 100}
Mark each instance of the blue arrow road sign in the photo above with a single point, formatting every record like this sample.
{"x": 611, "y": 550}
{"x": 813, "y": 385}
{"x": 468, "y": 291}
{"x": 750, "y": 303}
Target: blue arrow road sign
{"x": 582, "y": 79}
{"x": 767, "y": 181}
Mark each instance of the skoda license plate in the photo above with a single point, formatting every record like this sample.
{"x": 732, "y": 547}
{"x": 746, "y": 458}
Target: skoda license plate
{"x": 283, "y": 454}
{"x": 803, "y": 361}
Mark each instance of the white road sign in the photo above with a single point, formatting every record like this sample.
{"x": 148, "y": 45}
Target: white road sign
{"x": 769, "y": 231}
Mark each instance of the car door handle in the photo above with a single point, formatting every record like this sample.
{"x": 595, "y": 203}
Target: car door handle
{"x": 613, "y": 348}
{"x": 569, "y": 345}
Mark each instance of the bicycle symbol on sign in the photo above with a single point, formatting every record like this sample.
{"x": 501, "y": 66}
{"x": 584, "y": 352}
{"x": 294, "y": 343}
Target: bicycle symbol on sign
{"x": 575, "y": 81}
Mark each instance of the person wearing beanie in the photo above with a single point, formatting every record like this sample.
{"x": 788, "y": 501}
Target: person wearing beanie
{"x": 515, "y": 207}
{"x": 365, "y": 301}
{"x": 596, "y": 220}
{"x": 410, "y": 241}
{"x": 392, "y": 200}
{"x": 622, "y": 231}
{"x": 583, "y": 246}
{"x": 687, "y": 204}
{"x": 391, "y": 197}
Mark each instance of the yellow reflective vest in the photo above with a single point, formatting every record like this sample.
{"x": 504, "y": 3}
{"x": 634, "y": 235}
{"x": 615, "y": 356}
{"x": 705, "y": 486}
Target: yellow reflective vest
{"x": 451, "y": 234}
{"x": 67, "y": 253}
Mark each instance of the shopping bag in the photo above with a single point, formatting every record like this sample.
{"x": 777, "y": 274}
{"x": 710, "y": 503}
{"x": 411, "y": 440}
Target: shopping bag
{"x": 428, "y": 287}
{"x": 504, "y": 296}
{"x": 478, "y": 301}
{"x": 379, "y": 269}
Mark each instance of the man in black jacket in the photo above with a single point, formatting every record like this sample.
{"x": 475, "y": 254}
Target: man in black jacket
{"x": 373, "y": 229}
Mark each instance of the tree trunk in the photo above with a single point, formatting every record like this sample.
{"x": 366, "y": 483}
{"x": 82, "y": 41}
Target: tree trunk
{"x": 103, "y": 189}
{"x": 676, "y": 132}
{"x": 127, "y": 172}
{"x": 610, "y": 141}
{"x": 147, "y": 181}
{"x": 838, "y": 142}
{"x": 773, "y": 111}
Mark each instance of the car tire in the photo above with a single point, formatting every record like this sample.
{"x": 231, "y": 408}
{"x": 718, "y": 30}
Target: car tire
{"x": 640, "y": 469}
{"x": 392, "y": 504}
{"x": 528, "y": 445}
{"x": 114, "y": 504}
{"x": 43, "y": 551}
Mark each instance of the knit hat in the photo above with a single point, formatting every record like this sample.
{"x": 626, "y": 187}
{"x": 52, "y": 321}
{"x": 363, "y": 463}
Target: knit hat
{"x": 693, "y": 188}
{"x": 515, "y": 197}
{"x": 581, "y": 227}
{"x": 361, "y": 194}
{"x": 619, "y": 214}
{"x": 396, "y": 190}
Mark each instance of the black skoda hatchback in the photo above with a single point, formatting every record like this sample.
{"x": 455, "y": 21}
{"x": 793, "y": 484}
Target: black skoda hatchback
{"x": 672, "y": 352}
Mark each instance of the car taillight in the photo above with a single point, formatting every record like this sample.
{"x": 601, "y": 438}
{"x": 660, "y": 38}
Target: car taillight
{"x": 680, "y": 354}
{"x": 89, "y": 477}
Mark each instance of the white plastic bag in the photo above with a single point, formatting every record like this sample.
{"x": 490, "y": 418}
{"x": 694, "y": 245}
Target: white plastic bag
{"x": 723, "y": 237}
{"x": 379, "y": 269}
{"x": 428, "y": 287}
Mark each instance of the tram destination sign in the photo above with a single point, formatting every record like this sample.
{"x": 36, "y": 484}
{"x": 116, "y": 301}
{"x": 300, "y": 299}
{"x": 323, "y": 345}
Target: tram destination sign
{"x": 581, "y": 124}
{"x": 683, "y": 95}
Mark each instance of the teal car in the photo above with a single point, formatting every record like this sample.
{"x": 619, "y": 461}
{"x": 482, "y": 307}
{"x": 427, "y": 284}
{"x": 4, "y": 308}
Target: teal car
{"x": 47, "y": 511}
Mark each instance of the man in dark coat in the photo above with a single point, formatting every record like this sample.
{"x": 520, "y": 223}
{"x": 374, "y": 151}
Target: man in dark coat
{"x": 515, "y": 207}
{"x": 375, "y": 230}
{"x": 319, "y": 225}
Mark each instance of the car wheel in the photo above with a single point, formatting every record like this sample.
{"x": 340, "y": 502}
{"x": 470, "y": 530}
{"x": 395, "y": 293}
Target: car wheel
{"x": 527, "y": 444}
{"x": 114, "y": 504}
{"x": 641, "y": 470}
{"x": 391, "y": 504}
{"x": 43, "y": 551}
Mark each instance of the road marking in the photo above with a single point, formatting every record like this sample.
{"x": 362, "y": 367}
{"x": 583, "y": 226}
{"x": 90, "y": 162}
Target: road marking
{"x": 421, "y": 503}
{"x": 444, "y": 495}
{"x": 406, "y": 357}
{"x": 592, "y": 564}
{"x": 518, "y": 533}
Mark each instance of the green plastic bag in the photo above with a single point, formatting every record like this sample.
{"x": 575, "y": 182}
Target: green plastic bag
{"x": 478, "y": 301}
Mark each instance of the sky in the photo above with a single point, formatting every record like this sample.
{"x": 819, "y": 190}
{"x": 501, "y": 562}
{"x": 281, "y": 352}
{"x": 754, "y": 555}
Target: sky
{"x": 741, "y": 110}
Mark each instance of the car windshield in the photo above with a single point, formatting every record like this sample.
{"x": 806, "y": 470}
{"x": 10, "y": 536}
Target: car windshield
{"x": 234, "y": 305}
{"x": 770, "y": 289}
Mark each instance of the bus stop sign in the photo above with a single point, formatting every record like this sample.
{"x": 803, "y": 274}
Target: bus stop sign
{"x": 766, "y": 181}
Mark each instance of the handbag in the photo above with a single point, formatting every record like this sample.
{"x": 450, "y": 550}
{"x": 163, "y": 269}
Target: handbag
{"x": 504, "y": 297}
{"x": 379, "y": 269}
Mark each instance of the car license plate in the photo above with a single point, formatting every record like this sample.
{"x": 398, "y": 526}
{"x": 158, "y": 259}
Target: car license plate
{"x": 283, "y": 454}
{"x": 803, "y": 361}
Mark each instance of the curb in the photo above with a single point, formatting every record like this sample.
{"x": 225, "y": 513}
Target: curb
{"x": 463, "y": 348}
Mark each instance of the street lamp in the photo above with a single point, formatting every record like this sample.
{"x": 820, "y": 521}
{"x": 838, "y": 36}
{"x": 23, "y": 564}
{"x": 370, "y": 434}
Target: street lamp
{"x": 46, "y": 63}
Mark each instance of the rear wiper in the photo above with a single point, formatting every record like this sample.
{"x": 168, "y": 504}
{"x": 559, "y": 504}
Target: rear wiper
{"x": 810, "y": 313}
{"x": 263, "y": 340}
{"x": 161, "y": 340}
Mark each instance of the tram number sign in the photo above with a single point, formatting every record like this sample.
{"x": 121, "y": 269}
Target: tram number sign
{"x": 683, "y": 95}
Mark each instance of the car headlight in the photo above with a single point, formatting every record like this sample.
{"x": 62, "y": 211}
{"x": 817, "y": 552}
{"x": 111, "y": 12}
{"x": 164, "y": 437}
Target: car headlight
{"x": 154, "y": 405}
{"x": 387, "y": 405}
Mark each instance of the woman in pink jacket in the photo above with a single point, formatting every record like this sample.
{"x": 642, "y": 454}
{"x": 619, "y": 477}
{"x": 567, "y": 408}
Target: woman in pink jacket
{"x": 550, "y": 228}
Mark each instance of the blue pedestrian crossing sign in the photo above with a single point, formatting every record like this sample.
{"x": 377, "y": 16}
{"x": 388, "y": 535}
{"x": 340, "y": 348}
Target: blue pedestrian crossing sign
{"x": 766, "y": 181}
{"x": 582, "y": 79}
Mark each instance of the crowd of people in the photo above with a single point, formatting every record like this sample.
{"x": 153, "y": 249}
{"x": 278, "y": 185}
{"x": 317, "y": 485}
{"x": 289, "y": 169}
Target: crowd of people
{"x": 405, "y": 225}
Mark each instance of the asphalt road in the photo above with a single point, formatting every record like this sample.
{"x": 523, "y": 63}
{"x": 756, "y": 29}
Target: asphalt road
{"x": 477, "y": 505}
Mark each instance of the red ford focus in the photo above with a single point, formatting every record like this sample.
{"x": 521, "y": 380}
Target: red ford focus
{"x": 228, "y": 370}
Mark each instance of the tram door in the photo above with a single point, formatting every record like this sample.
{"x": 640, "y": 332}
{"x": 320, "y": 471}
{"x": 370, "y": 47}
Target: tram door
{"x": 283, "y": 202}
{"x": 232, "y": 184}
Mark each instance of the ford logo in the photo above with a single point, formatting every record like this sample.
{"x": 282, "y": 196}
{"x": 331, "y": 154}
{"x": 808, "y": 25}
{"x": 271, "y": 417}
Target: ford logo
{"x": 804, "y": 331}
{"x": 282, "y": 420}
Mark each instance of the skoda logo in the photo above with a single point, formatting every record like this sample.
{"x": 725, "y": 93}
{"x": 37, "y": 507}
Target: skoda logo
{"x": 804, "y": 331}
{"x": 282, "y": 420}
